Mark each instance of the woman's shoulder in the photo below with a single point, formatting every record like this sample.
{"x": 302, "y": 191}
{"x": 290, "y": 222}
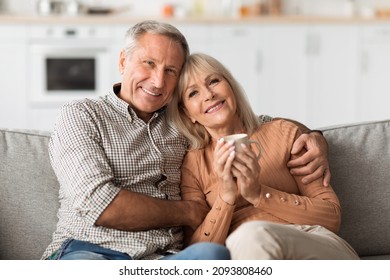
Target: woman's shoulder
{"x": 278, "y": 125}
{"x": 277, "y": 133}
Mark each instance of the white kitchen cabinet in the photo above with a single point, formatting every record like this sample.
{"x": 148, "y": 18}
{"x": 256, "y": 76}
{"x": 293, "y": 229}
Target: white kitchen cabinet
{"x": 373, "y": 97}
{"x": 13, "y": 57}
{"x": 308, "y": 73}
{"x": 281, "y": 71}
{"x": 331, "y": 74}
{"x": 198, "y": 36}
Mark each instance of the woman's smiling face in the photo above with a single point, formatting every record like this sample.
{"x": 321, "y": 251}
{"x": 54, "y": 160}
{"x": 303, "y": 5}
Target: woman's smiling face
{"x": 209, "y": 100}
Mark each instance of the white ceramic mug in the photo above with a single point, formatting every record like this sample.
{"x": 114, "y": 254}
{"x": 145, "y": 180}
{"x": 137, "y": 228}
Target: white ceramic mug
{"x": 238, "y": 139}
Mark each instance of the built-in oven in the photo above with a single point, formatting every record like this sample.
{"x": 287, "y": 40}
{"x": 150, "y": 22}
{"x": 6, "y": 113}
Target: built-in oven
{"x": 68, "y": 62}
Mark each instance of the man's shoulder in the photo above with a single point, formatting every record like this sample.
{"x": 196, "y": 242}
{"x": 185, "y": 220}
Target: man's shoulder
{"x": 279, "y": 127}
{"x": 86, "y": 105}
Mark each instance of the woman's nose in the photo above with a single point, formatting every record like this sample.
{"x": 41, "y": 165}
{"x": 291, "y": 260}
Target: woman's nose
{"x": 209, "y": 95}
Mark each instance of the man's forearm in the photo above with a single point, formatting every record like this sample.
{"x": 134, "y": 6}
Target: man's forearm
{"x": 134, "y": 212}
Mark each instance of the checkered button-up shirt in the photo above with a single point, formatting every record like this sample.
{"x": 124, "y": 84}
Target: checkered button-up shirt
{"x": 100, "y": 147}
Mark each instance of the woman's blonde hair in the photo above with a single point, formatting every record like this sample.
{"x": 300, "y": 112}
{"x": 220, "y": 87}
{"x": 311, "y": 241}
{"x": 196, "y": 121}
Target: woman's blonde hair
{"x": 196, "y": 134}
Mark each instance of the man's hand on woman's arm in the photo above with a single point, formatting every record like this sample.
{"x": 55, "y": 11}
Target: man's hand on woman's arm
{"x": 313, "y": 164}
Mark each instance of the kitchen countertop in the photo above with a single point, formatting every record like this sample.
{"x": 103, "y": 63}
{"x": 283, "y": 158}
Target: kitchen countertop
{"x": 127, "y": 18}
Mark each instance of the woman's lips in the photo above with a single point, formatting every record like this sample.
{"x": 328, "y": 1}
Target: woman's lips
{"x": 214, "y": 107}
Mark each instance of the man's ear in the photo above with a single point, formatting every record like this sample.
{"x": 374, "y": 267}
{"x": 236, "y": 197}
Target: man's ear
{"x": 122, "y": 61}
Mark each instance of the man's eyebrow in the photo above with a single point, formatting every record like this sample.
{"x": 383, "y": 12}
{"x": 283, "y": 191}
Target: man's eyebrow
{"x": 173, "y": 66}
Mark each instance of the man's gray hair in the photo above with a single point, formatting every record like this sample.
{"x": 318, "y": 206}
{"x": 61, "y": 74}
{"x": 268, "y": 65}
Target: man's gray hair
{"x": 154, "y": 27}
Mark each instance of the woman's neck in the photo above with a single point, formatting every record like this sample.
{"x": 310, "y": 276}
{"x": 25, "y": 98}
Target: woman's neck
{"x": 232, "y": 128}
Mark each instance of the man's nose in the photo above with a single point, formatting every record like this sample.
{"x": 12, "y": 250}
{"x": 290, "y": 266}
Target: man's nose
{"x": 158, "y": 78}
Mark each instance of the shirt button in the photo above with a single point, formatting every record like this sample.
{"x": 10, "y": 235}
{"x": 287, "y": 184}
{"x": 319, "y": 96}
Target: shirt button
{"x": 283, "y": 199}
{"x": 207, "y": 233}
{"x": 218, "y": 207}
{"x": 213, "y": 221}
{"x": 267, "y": 195}
{"x": 296, "y": 202}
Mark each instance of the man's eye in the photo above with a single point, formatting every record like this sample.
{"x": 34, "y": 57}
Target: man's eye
{"x": 172, "y": 72}
{"x": 149, "y": 62}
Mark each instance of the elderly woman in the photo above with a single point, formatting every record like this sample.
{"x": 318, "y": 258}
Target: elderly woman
{"x": 257, "y": 207}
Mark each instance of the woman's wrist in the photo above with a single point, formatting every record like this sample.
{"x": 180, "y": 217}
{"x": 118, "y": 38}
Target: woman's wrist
{"x": 228, "y": 198}
{"x": 253, "y": 197}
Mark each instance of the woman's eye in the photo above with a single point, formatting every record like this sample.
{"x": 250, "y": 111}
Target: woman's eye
{"x": 192, "y": 93}
{"x": 214, "y": 81}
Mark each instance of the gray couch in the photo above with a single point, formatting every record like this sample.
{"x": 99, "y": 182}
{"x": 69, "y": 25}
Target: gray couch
{"x": 360, "y": 165}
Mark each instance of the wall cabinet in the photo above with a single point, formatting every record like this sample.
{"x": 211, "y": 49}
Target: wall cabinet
{"x": 332, "y": 65}
{"x": 281, "y": 79}
{"x": 13, "y": 57}
{"x": 373, "y": 94}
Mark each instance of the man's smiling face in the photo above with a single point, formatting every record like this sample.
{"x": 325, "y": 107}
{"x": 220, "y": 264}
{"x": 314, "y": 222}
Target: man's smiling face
{"x": 150, "y": 73}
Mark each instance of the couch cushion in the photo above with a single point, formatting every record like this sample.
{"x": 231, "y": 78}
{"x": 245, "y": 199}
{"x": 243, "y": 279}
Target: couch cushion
{"x": 29, "y": 195}
{"x": 360, "y": 164}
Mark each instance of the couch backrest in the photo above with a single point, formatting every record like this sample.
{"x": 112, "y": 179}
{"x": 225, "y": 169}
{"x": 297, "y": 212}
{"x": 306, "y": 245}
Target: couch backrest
{"x": 360, "y": 164}
{"x": 28, "y": 195}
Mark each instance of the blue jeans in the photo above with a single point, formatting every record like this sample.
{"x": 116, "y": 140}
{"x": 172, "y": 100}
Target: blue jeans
{"x": 82, "y": 250}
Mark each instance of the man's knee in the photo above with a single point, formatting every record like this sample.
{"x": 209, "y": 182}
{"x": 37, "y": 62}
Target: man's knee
{"x": 82, "y": 255}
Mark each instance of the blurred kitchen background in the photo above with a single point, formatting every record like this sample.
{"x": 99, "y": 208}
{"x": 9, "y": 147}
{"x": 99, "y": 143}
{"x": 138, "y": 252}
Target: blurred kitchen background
{"x": 321, "y": 62}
